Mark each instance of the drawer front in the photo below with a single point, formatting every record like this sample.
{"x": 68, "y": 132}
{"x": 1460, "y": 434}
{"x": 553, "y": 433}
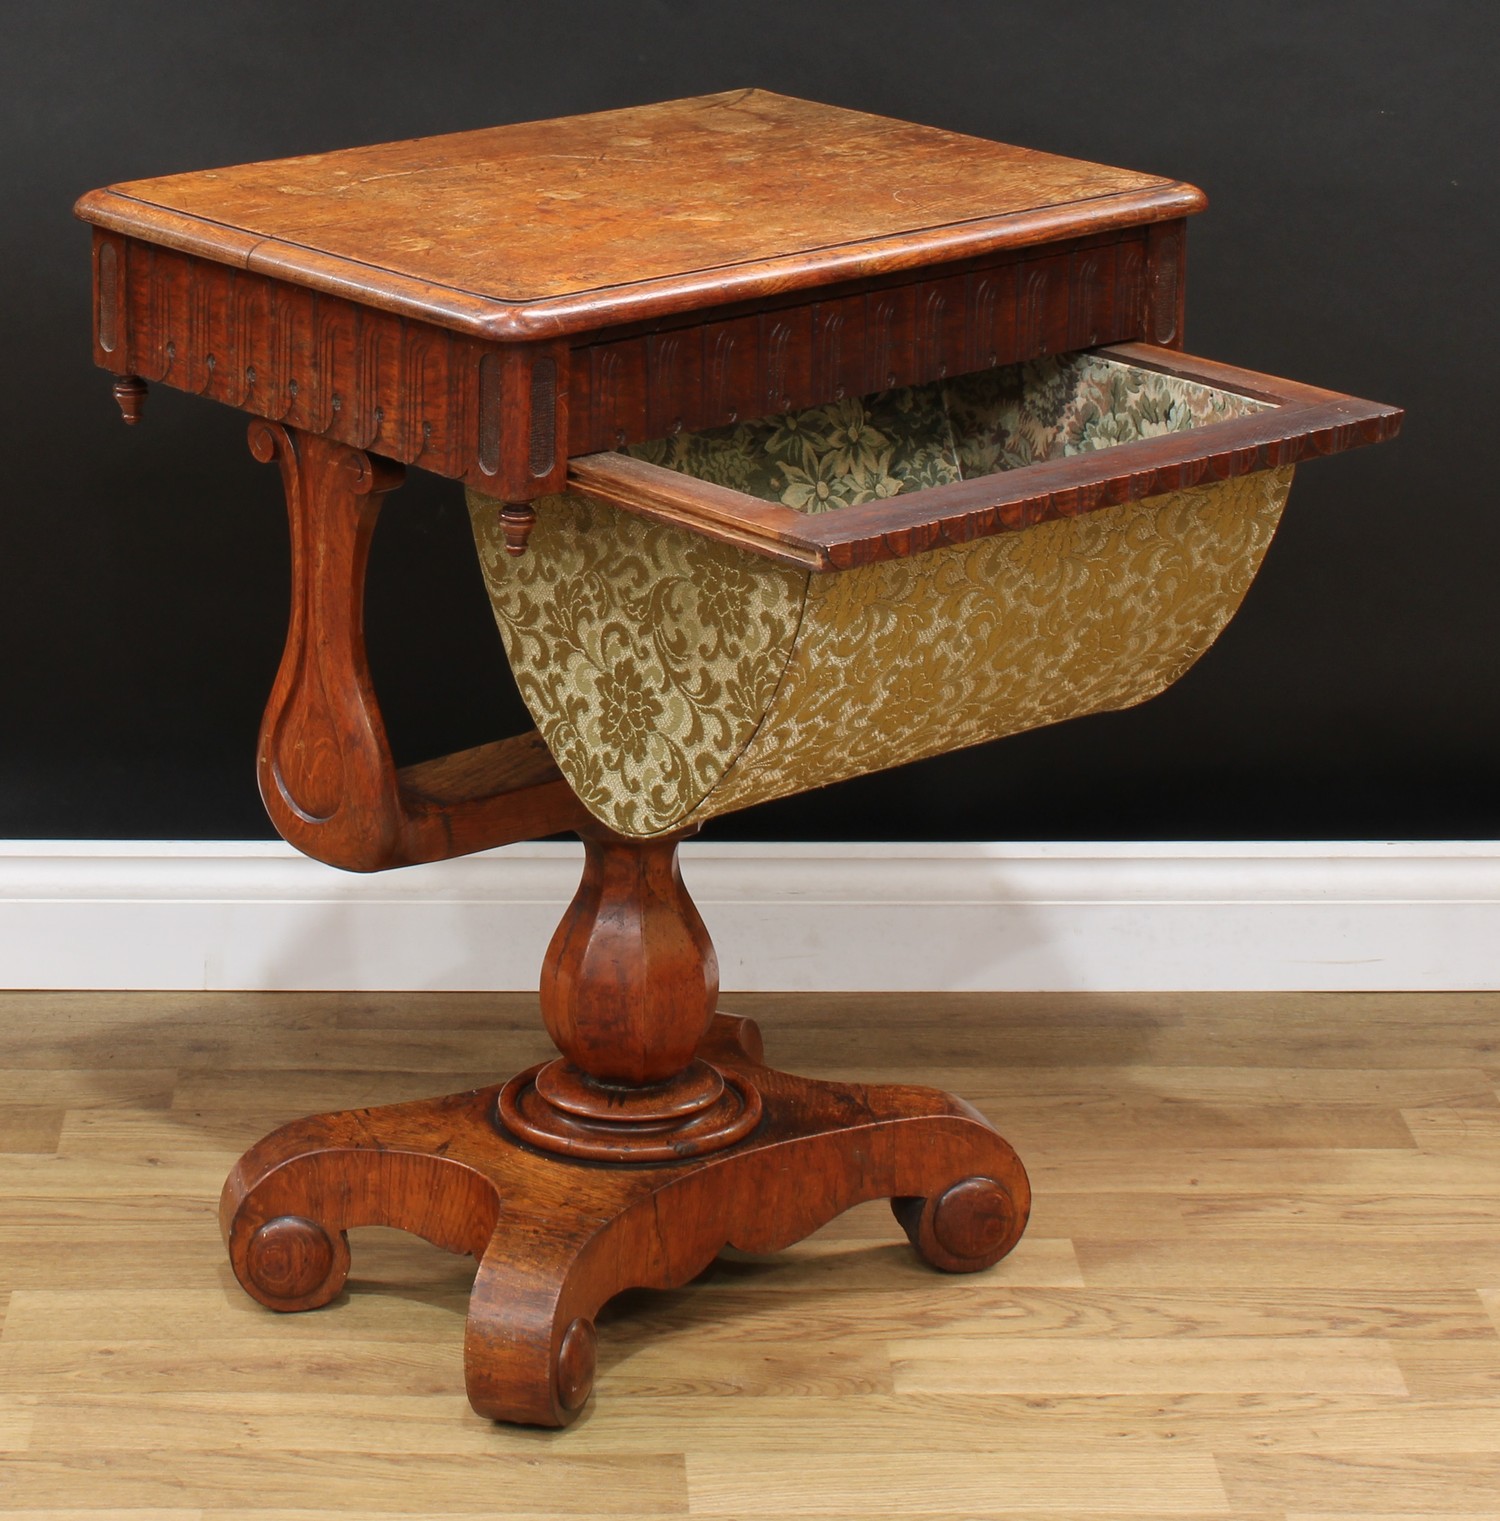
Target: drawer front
{"x": 1048, "y": 300}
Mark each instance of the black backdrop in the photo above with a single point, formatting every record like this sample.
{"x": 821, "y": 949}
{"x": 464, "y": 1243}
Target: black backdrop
{"x": 1348, "y": 149}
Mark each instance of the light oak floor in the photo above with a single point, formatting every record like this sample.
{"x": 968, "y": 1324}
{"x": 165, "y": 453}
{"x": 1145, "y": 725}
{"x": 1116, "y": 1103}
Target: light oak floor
{"x": 1262, "y": 1278}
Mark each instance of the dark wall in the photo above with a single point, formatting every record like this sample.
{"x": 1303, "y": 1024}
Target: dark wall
{"x": 1348, "y": 149}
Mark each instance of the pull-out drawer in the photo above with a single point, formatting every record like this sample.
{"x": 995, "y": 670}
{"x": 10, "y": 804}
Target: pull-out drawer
{"x": 715, "y": 619}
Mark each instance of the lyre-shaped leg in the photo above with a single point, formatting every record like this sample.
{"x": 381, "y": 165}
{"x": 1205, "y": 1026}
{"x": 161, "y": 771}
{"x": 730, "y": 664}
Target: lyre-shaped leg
{"x": 324, "y": 763}
{"x": 325, "y": 767}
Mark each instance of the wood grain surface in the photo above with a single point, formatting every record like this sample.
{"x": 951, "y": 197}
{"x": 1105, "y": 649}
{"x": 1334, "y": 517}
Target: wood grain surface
{"x": 1259, "y": 1284}
{"x": 541, "y": 228}
{"x": 485, "y": 304}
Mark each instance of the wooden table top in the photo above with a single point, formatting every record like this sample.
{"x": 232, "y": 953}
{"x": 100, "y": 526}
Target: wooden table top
{"x": 540, "y": 229}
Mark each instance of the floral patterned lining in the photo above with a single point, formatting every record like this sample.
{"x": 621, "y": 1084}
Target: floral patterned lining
{"x": 1071, "y": 403}
{"x": 675, "y": 678}
{"x": 870, "y": 448}
{"x": 861, "y": 449}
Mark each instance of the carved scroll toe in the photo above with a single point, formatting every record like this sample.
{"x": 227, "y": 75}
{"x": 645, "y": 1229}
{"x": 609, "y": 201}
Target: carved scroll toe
{"x": 971, "y": 1225}
{"x": 292, "y": 1263}
{"x": 529, "y": 1345}
{"x": 291, "y": 1199}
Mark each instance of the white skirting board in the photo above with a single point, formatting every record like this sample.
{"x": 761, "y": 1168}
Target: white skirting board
{"x": 981, "y": 917}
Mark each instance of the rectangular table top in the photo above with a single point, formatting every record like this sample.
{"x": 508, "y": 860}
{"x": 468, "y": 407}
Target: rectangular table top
{"x": 541, "y": 229}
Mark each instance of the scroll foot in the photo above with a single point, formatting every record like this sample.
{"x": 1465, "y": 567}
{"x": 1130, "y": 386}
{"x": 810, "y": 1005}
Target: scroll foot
{"x": 530, "y": 1346}
{"x": 970, "y": 1225}
{"x": 291, "y": 1199}
{"x": 556, "y": 1237}
{"x": 293, "y": 1263}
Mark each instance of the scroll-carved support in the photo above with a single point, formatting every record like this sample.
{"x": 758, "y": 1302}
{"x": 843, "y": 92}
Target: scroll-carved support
{"x": 657, "y": 1139}
{"x": 556, "y": 1238}
{"x": 324, "y": 763}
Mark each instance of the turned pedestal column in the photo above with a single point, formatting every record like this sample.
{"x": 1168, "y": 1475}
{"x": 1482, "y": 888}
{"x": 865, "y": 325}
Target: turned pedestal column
{"x": 628, "y": 993}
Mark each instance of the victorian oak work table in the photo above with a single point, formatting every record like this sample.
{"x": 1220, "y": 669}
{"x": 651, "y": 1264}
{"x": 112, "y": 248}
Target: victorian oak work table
{"x": 799, "y": 442}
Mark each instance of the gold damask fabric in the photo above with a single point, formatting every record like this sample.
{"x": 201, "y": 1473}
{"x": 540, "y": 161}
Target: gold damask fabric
{"x": 675, "y": 678}
{"x": 647, "y": 655}
{"x": 972, "y": 643}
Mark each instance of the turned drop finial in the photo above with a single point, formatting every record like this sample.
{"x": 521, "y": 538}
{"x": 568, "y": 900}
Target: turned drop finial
{"x": 517, "y": 519}
{"x": 130, "y": 393}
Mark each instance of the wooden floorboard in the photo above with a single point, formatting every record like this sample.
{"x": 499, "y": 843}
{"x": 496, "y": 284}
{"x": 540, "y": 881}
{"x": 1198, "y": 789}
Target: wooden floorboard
{"x": 1262, "y": 1281}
